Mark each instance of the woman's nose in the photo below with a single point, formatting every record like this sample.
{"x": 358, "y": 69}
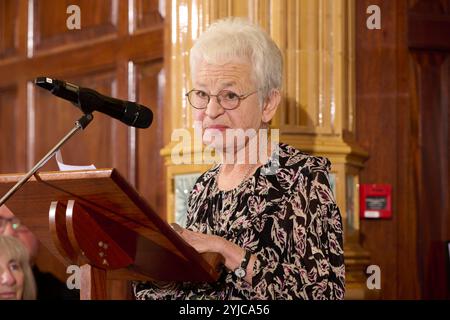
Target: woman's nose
{"x": 213, "y": 108}
{"x": 7, "y": 278}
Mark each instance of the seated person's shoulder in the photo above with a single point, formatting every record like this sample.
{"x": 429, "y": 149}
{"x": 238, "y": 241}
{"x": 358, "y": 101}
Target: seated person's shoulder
{"x": 51, "y": 288}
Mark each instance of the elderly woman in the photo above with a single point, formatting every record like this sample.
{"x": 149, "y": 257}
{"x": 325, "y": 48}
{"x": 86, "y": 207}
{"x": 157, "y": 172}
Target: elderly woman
{"x": 275, "y": 221}
{"x": 16, "y": 278}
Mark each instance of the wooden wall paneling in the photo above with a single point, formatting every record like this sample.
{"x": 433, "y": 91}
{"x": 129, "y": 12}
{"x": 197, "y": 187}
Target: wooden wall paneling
{"x": 447, "y": 80}
{"x": 167, "y": 130}
{"x": 148, "y": 13}
{"x": 121, "y": 143}
{"x": 96, "y": 55}
{"x": 376, "y": 91}
{"x": 407, "y": 276}
{"x": 8, "y": 28}
{"x": 13, "y": 29}
{"x": 428, "y": 25}
{"x": 122, "y": 19}
{"x": 98, "y": 18}
{"x": 447, "y": 226}
{"x": 433, "y": 165}
{"x": 126, "y": 158}
{"x": 429, "y": 44}
{"x": 123, "y": 159}
{"x": 390, "y": 106}
{"x": 13, "y": 129}
{"x": 149, "y": 91}
{"x": 9, "y": 111}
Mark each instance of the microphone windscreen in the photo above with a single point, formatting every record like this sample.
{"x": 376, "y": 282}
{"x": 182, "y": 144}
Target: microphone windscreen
{"x": 145, "y": 118}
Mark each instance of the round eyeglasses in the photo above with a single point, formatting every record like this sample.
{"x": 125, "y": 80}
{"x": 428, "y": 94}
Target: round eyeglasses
{"x": 15, "y": 224}
{"x": 227, "y": 99}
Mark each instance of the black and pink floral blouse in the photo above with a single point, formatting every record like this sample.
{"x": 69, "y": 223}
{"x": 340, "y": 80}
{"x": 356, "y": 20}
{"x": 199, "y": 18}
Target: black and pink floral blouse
{"x": 286, "y": 215}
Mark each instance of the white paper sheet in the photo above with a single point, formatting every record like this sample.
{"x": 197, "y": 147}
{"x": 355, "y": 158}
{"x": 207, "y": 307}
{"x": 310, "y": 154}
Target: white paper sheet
{"x": 65, "y": 167}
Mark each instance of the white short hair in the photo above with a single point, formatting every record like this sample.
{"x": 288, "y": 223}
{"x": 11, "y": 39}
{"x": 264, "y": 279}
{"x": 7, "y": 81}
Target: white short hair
{"x": 236, "y": 38}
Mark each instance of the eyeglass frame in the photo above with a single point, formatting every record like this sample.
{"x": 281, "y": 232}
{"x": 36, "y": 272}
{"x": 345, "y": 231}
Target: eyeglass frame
{"x": 241, "y": 97}
{"x": 12, "y": 221}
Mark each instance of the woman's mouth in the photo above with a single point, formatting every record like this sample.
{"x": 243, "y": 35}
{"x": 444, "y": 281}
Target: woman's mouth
{"x": 217, "y": 127}
{"x": 7, "y": 295}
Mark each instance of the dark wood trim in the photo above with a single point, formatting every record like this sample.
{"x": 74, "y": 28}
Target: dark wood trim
{"x": 429, "y": 31}
{"x": 72, "y": 60}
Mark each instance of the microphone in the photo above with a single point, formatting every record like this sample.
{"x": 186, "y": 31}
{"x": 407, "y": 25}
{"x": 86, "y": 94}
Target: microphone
{"x": 88, "y": 100}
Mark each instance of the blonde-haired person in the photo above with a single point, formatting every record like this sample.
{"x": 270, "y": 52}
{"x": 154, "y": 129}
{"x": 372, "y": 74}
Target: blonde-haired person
{"x": 16, "y": 277}
{"x": 48, "y": 287}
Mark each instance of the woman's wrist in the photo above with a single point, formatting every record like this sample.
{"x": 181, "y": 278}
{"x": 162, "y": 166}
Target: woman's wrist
{"x": 233, "y": 255}
{"x": 224, "y": 247}
{"x": 218, "y": 245}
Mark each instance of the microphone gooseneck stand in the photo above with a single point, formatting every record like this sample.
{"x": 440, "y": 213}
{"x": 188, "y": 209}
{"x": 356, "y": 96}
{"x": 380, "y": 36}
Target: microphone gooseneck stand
{"x": 81, "y": 124}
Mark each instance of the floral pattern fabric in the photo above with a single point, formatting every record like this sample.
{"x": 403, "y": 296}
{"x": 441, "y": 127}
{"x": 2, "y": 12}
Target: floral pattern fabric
{"x": 288, "y": 219}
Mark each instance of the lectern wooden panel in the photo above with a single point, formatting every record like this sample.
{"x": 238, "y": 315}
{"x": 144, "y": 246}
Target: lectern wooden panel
{"x": 96, "y": 218}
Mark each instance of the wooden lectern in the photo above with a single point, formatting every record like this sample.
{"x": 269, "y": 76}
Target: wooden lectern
{"x": 96, "y": 220}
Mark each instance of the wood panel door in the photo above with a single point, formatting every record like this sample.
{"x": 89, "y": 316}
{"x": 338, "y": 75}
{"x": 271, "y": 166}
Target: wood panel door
{"x": 429, "y": 44}
{"x": 402, "y": 119}
{"x": 118, "y": 51}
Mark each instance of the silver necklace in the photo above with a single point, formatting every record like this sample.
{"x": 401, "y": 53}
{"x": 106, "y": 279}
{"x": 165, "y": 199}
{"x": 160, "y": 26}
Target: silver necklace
{"x": 247, "y": 173}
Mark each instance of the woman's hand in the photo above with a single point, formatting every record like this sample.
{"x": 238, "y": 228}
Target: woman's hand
{"x": 231, "y": 252}
{"x": 200, "y": 241}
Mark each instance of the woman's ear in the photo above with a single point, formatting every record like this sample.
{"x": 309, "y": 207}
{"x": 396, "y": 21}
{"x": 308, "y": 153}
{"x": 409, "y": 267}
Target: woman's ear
{"x": 271, "y": 105}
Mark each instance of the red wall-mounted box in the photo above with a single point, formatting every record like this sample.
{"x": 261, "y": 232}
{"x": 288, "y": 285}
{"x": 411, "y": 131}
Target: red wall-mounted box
{"x": 375, "y": 201}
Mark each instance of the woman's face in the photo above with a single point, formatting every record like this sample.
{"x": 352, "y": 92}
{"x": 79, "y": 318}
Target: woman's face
{"x": 215, "y": 120}
{"x": 25, "y": 236}
{"x": 11, "y": 279}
